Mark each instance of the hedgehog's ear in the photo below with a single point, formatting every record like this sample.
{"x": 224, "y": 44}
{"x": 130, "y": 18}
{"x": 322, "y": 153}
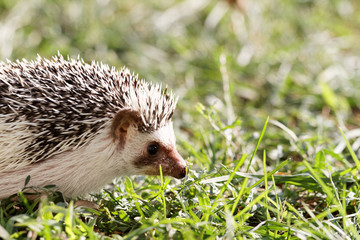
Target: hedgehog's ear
{"x": 121, "y": 122}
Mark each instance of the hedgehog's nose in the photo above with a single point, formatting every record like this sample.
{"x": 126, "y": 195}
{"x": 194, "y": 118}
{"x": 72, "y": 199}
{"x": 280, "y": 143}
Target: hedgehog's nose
{"x": 179, "y": 165}
{"x": 182, "y": 173}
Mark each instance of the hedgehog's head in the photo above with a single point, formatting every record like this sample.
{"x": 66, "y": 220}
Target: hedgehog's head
{"x": 147, "y": 148}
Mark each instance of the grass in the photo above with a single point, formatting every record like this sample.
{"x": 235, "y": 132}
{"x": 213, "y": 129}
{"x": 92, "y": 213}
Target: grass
{"x": 268, "y": 117}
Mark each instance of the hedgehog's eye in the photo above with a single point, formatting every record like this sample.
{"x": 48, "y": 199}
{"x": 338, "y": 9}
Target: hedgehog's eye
{"x": 153, "y": 148}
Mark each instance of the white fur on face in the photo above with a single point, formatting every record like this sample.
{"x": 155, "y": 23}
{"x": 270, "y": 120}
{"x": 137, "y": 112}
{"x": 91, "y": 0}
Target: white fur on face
{"x": 136, "y": 143}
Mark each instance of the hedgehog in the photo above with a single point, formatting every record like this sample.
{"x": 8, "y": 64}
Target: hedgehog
{"x": 80, "y": 125}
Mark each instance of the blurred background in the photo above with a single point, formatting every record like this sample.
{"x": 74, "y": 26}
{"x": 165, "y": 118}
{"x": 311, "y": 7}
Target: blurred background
{"x": 296, "y": 61}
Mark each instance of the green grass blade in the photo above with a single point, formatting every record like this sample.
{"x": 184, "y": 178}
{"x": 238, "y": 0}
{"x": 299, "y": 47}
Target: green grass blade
{"x": 163, "y": 191}
{"x": 268, "y": 175}
{"x": 353, "y": 155}
{"x": 258, "y": 143}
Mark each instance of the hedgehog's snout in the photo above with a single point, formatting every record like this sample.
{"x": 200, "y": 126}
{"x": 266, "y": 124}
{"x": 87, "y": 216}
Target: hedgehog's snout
{"x": 182, "y": 173}
{"x": 179, "y": 173}
{"x": 179, "y": 169}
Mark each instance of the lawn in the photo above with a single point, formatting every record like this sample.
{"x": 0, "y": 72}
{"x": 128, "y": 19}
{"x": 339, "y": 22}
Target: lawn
{"x": 268, "y": 116}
